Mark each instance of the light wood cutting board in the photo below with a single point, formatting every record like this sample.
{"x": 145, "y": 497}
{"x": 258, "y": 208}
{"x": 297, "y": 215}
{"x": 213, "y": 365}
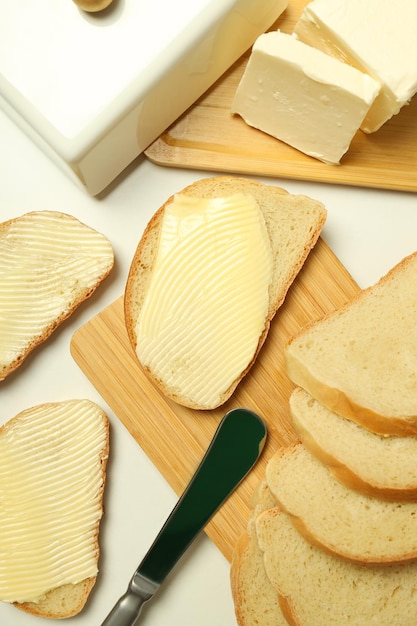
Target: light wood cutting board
{"x": 208, "y": 137}
{"x": 174, "y": 437}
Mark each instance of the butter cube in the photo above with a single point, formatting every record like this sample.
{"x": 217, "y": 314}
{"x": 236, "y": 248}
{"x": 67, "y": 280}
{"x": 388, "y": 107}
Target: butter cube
{"x": 302, "y": 96}
{"x": 378, "y": 37}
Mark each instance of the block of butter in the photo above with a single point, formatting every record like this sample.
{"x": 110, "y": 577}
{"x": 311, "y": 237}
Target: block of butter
{"x": 302, "y": 96}
{"x": 377, "y": 37}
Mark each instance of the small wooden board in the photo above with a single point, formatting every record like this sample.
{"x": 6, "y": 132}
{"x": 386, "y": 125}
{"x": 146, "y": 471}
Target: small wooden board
{"x": 174, "y": 437}
{"x": 208, "y": 137}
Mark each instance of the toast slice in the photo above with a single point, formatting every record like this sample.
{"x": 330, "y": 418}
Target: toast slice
{"x": 49, "y": 264}
{"x": 52, "y": 481}
{"x": 320, "y": 588}
{"x": 361, "y": 360}
{"x": 188, "y": 365}
{"x": 382, "y": 466}
{"x": 336, "y": 518}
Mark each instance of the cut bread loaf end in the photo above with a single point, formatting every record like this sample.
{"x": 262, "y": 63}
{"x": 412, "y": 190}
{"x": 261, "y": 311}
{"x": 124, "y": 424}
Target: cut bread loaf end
{"x": 255, "y": 599}
{"x": 361, "y": 360}
{"x": 292, "y": 225}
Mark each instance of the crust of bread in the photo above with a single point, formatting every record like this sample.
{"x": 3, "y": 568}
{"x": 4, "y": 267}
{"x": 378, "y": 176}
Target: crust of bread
{"x": 72, "y": 304}
{"x": 253, "y": 594}
{"x": 69, "y": 599}
{"x": 379, "y": 466}
{"x": 62, "y": 602}
{"x": 359, "y": 528}
{"x": 301, "y": 371}
{"x": 271, "y": 200}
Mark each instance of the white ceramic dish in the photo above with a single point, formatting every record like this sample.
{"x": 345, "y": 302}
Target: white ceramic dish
{"x": 120, "y": 77}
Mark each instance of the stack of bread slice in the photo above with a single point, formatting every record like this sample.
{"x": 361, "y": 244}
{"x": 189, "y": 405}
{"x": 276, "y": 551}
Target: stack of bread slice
{"x": 332, "y": 538}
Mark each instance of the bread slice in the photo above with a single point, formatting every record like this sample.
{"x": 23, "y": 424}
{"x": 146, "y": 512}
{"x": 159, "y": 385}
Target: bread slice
{"x": 377, "y": 465}
{"x": 361, "y": 361}
{"x": 322, "y": 589}
{"x": 52, "y": 481}
{"x": 62, "y": 602}
{"x": 293, "y": 225}
{"x": 255, "y": 599}
{"x": 336, "y": 518}
{"x": 49, "y": 264}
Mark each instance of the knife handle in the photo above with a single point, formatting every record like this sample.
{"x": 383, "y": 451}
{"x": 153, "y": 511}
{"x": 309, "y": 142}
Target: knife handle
{"x": 127, "y": 609}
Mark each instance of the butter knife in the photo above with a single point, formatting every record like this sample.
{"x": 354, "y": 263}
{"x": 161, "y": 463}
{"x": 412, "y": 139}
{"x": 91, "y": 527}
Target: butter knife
{"x": 233, "y": 451}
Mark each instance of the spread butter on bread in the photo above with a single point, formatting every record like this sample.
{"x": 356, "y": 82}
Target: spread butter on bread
{"x": 361, "y": 360}
{"x": 211, "y": 269}
{"x": 52, "y": 477}
{"x": 49, "y": 264}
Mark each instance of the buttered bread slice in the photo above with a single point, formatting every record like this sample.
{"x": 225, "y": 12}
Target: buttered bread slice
{"x": 52, "y": 476}
{"x": 212, "y": 268}
{"x": 49, "y": 264}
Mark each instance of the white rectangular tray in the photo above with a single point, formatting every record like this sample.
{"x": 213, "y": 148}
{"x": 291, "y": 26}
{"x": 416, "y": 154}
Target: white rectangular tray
{"x": 94, "y": 90}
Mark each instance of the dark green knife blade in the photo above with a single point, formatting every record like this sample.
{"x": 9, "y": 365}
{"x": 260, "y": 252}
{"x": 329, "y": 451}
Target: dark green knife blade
{"x": 234, "y": 450}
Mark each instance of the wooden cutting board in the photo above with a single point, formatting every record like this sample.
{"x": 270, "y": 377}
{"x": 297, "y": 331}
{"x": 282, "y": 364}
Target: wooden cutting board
{"x": 208, "y": 137}
{"x": 174, "y": 437}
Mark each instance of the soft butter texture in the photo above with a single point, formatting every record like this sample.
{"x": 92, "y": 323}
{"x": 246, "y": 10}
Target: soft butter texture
{"x": 207, "y": 303}
{"x": 51, "y": 480}
{"x": 377, "y": 37}
{"x": 306, "y": 98}
{"x": 48, "y": 260}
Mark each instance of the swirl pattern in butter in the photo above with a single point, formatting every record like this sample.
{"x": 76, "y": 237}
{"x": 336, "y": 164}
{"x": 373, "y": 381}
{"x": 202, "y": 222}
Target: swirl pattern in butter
{"x": 52, "y": 472}
{"x": 49, "y": 263}
{"x": 207, "y": 302}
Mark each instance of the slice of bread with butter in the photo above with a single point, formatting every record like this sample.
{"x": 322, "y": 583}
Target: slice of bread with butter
{"x": 339, "y": 519}
{"x": 49, "y": 264}
{"x": 210, "y": 271}
{"x": 52, "y": 477}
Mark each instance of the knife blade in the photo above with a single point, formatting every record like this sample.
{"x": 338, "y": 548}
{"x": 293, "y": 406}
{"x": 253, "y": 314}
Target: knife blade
{"x": 233, "y": 451}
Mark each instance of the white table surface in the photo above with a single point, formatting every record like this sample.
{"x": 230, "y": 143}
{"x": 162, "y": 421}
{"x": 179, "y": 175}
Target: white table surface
{"x": 369, "y": 230}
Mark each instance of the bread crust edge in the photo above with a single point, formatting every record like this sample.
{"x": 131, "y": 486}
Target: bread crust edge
{"x": 202, "y": 188}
